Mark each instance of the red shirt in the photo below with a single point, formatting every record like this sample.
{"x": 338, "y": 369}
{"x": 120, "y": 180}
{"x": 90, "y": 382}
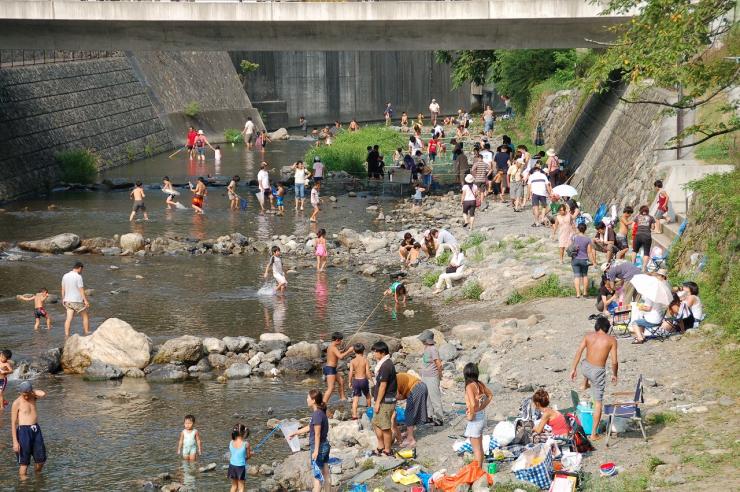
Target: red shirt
{"x": 191, "y": 137}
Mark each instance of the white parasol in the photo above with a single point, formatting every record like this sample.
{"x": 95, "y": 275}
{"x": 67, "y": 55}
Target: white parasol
{"x": 654, "y": 289}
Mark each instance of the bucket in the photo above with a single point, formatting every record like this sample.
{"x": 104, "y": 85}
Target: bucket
{"x": 586, "y": 415}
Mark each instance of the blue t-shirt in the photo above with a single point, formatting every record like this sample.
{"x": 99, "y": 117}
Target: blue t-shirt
{"x": 318, "y": 418}
{"x": 582, "y": 243}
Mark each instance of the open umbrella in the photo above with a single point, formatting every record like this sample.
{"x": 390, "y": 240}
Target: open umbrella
{"x": 565, "y": 190}
{"x": 653, "y": 289}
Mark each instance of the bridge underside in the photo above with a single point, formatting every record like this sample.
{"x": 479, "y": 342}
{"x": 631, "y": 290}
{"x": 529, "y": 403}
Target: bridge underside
{"x": 305, "y": 36}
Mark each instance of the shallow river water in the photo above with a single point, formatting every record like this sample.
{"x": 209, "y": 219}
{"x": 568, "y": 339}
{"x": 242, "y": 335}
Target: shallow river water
{"x": 99, "y": 441}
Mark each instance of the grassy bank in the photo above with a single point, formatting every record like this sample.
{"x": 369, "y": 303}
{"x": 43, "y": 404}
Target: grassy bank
{"x": 78, "y": 165}
{"x": 349, "y": 149}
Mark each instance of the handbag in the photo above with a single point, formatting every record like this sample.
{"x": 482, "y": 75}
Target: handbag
{"x": 535, "y": 466}
{"x": 572, "y": 250}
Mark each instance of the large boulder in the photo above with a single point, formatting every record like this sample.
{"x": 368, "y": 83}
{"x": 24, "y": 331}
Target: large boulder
{"x": 413, "y": 346}
{"x": 295, "y": 472}
{"x": 375, "y": 244}
{"x": 368, "y": 339}
{"x": 187, "y": 349}
{"x": 95, "y": 245}
{"x": 214, "y": 345}
{"x": 304, "y": 349}
{"x": 132, "y": 241}
{"x": 240, "y": 370}
{"x": 115, "y": 343}
{"x": 238, "y": 344}
{"x": 349, "y": 238}
{"x": 166, "y": 373}
{"x": 447, "y": 352}
{"x": 296, "y": 365}
{"x": 279, "y": 134}
{"x": 55, "y": 244}
{"x": 100, "y": 371}
{"x": 471, "y": 334}
{"x": 273, "y": 341}
{"x": 50, "y": 362}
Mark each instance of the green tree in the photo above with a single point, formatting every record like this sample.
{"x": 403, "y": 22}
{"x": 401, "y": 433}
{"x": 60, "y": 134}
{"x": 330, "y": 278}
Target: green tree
{"x": 467, "y": 65}
{"x": 672, "y": 44}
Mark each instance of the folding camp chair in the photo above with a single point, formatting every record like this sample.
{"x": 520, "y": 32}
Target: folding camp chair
{"x": 658, "y": 260}
{"x": 629, "y": 410}
{"x": 620, "y": 323}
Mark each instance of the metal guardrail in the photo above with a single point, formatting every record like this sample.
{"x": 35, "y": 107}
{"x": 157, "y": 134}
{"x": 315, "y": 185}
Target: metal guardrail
{"x": 20, "y": 58}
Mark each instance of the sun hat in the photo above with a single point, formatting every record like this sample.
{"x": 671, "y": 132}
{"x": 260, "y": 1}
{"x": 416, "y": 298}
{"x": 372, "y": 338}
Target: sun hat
{"x": 427, "y": 337}
{"x": 551, "y": 152}
{"x": 25, "y": 387}
{"x": 200, "y": 132}
{"x": 469, "y": 178}
{"x": 316, "y": 158}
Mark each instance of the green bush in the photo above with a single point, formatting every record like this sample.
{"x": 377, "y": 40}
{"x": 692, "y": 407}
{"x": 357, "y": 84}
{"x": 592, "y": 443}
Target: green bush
{"x": 444, "y": 258}
{"x": 232, "y": 135}
{"x": 78, "y": 165}
{"x": 550, "y": 287}
{"x": 473, "y": 240}
{"x": 349, "y": 149}
{"x": 430, "y": 278}
{"x": 192, "y": 109}
{"x": 472, "y": 290}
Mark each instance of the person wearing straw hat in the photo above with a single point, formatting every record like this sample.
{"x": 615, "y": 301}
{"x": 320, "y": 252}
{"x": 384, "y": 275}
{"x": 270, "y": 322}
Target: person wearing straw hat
{"x": 431, "y": 375}
{"x": 553, "y": 166}
{"x": 469, "y": 200}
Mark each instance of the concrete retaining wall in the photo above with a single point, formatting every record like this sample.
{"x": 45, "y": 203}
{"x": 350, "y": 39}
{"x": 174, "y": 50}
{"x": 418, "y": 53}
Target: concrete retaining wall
{"x": 96, "y": 104}
{"x": 325, "y": 86}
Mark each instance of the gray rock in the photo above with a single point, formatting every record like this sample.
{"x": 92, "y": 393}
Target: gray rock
{"x": 134, "y": 372}
{"x": 214, "y": 345}
{"x": 238, "y": 344}
{"x": 207, "y": 468}
{"x": 132, "y": 242}
{"x": 296, "y": 365}
{"x": 368, "y": 339}
{"x": 55, "y": 244}
{"x": 100, "y": 371}
{"x": 239, "y": 370}
{"x": 166, "y": 373}
{"x": 447, "y": 352}
{"x": 113, "y": 251}
{"x": 304, "y": 349}
{"x": 187, "y": 349}
{"x": 217, "y": 360}
{"x": 50, "y": 362}
{"x": 239, "y": 239}
{"x": 364, "y": 476}
{"x": 539, "y": 272}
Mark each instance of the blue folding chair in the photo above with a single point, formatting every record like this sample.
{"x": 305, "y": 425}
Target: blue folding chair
{"x": 629, "y": 410}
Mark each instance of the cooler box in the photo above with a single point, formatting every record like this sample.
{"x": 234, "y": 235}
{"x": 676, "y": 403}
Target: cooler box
{"x": 586, "y": 415}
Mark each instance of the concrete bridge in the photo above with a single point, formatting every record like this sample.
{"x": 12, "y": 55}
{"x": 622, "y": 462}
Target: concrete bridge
{"x": 281, "y": 26}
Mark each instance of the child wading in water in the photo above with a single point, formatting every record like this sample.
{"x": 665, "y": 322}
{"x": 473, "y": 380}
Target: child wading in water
{"x": 6, "y": 369}
{"x": 277, "y": 270}
{"x": 279, "y": 198}
{"x": 189, "y": 443}
{"x": 39, "y": 311}
{"x": 169, "y": 190}
{"x": 398, "y": 290}
{"x": 240, "y": 452}
{"x": 333, "y": 356}
{"x": 24, "y": 426}
{"x": 359, "y": 372}
{"x": 137, "y": 195}
{"x": 321, "y": 253}
{"x": 315, "y": 201}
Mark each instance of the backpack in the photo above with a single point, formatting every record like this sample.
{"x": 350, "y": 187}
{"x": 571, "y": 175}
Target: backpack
{"x": 580, "y": 220}
{"x": 580, "y": 439}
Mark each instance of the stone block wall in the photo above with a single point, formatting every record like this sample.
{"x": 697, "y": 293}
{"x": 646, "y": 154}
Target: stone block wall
{"x": 44, "y": 109}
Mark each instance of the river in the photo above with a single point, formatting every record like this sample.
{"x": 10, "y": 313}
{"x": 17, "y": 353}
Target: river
{"x": 98, "y": 439}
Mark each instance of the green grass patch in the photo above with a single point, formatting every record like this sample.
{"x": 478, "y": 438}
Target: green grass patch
{"x": 349, "y": 149}
{"x": 473, "y": 240}
{"x": 232, "y": 136}
{"x": 624, "y": 482}
{"x": 430, "y": 278}
{"x": 472, "y": 290}
{"x": 78, "y": 165}
{"x": 654, "y": 462}
{"x": 444, "y": 258}
{"x": 662, "y": 418}
{"x": 191, "y": 109}
{"x": 477, "y": 254}
{"x": 550, "y": 287}
{"x": 719, "y": 150}
{"x": 512, "y": 486}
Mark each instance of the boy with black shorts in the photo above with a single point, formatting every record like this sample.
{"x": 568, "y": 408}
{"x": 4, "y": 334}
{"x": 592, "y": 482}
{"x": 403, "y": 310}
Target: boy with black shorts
{"x": 359, "y": 371}
{"x": 333, "y": 356}
{"x": 27, "y": 438}
{"x": 39, "y": 311}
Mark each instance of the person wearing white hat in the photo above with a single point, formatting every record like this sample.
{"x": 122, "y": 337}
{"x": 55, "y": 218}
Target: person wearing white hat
{"x": 553, "y": 167}
{"x": 469, "y": 200}
{"x": 200, "y": 145}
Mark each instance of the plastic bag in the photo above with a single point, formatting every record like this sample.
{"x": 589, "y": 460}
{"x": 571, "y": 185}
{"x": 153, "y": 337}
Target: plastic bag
{"x": 535, "y": 466}
{"x": 504, "y": 433}
{"x": 571, "y": 461}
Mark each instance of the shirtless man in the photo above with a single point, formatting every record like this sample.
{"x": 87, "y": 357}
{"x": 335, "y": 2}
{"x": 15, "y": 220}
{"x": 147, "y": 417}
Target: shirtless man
{"x": 27, "y": 438}
{"x": 333, "y": 356}
{"x": 39, "y": 311}
{"x": 625, "y": 224}
{"x": 599, "y": 347}
{"x": 137, "y": 195}
{"x": 359, "y": 378}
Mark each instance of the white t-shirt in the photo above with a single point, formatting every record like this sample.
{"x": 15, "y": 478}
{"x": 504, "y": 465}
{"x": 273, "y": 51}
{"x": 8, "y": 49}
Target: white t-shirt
{"x": 314, "y": 196}
{"x": 300, "y": 176}
{"x": 538, "y": 182}
{"x": 438, "y": 129}
{"x": 434, "y": 107}
{"x": 487, "y": 156}
{"x": 445, "y": 237}
{"x": 469, "y": 192}
{"x": 249, "y": 127}
{"x": 655, "y": 315}
{"x": 72, "y": 283}
{"x": 318, "y": 169}
{"x": 263, "y": 179}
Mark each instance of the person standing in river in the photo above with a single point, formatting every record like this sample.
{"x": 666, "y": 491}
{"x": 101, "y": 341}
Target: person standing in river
{"x": 248, "y": 133}
{"x": 74, "y": 298}
{"x": 24, "y": 422}
{"x": 263, "y": 182}
{"x": 190, "y": 142}
{"x": 137, "y": 195}
{"x": 199, "y": 195}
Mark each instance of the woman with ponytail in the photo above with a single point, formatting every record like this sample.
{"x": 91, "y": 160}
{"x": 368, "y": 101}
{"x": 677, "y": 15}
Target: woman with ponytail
{"x": 318, "y": 442}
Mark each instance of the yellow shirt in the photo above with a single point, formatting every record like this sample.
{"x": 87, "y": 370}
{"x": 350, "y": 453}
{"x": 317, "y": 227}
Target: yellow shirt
{"x": 405, "y": 382}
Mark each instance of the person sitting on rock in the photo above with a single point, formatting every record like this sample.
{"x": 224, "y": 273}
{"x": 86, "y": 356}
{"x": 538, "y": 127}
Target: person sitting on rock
{"x": 454, "y": 271}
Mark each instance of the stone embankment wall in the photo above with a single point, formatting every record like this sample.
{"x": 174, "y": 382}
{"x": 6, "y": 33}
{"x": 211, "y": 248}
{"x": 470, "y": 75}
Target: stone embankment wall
{"x": 175, "y": 79}
{"x": 96, "y": 104}
{"x": 611, "y": 146}
{"x": 325, "y": 86}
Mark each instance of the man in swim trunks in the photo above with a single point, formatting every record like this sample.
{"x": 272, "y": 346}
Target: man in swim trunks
{"x": 599, "y": 347}
{"x": 27, "y": 438}
{"x": 74, "y": 298}
{"x": 333, "y": 356}
{"x": 39, "y": 311}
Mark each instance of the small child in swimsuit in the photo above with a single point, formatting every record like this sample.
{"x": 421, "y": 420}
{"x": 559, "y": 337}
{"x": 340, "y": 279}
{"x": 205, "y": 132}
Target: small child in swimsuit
{"x": 315, "y": 201}
{"x": 398, "y": 290}
{"x": 321, "y": 253}
{"x": 279, "y": 197}
{"x": 39, "y": 311}
{"x": 359, "y": 371}
{"x": 137, "y": 195}
{"x": 277, "y": 270}
{"x": 168, "y": 189}
{"x": 218, "y": 153}
{"x": 6, "y": 368}
{"x": 189, "y": 443}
